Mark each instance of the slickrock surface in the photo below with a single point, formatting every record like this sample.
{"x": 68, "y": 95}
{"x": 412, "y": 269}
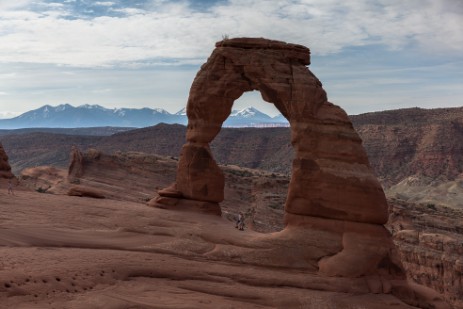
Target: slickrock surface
{"x": 258, "y": 194}
{"x": 61, "y": 251}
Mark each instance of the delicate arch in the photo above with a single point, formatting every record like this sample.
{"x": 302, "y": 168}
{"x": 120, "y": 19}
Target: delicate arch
{"x": 331, "y": 176}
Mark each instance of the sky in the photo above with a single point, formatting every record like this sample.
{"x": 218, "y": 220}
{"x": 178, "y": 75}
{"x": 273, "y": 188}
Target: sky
{"x": 370, "y": 55}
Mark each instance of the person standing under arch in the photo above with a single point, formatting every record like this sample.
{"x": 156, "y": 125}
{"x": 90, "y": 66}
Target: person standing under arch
{"x": 10, "y": 187}
{"x": 240, "y": 222}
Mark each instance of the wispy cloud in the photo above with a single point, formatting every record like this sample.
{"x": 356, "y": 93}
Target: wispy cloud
{"x": 370, "y": 55}
{"x": 11, "y": 5}
{"x": 8, "y": 115}
{"x": 175, "y": 30}
{"x": 105, "y": 3}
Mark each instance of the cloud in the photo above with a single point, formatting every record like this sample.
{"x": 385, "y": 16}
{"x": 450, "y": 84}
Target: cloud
{"x": 105, "y": 3}
{"x": 8, "y": 115}
{"x": 34, "y": 85}
{"x": 11, "y": 5}
{"x": 174, "y": 30}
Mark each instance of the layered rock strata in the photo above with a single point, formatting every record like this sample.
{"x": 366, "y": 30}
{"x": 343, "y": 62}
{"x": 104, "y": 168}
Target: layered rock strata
{"x": 430, "y": 244}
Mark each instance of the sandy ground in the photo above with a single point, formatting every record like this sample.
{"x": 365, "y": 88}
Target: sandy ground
{"x": 60, "y": 251}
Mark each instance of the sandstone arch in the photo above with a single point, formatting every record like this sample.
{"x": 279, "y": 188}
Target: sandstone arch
{"x": 331, "y": 174}
{"x": 332, "y": 188}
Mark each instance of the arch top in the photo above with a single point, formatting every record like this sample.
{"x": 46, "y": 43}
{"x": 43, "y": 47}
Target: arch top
{"x": 292, "y": 51}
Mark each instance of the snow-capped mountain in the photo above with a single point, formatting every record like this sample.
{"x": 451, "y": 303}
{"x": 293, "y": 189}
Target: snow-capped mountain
{"x": 247, "y": 117}
{"x": 249, "y": 112}
{"x": 68, "y": 116}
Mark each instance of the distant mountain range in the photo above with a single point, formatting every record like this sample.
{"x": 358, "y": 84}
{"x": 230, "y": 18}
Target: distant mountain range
{"x": 68, "y": 116}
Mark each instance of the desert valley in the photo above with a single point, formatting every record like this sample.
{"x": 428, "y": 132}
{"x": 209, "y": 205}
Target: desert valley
{"x": 145, "y": 218}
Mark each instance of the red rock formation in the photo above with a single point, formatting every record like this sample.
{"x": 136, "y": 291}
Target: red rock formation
{"x": 332, "y": 189}
{"x": 76, "y": 167}
{"x": 5, "y": 168}
{"x": 430, "y": 242}
{"x": 123, "y": 176}
{"x": 417, "y": 142}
